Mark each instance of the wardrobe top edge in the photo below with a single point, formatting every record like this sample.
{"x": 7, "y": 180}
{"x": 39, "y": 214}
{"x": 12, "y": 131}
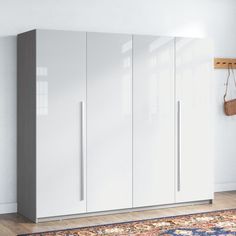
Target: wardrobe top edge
{"x": 96, "y": 32}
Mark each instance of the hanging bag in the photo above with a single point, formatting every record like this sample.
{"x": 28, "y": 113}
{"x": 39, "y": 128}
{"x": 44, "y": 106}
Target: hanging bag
{"x": 230, "y": 105}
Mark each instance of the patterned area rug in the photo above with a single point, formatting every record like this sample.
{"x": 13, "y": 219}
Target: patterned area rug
{"x": 211, "y": 223}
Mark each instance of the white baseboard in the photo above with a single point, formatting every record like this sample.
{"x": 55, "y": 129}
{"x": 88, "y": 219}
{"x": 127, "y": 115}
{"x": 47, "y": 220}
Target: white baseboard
{"x": 6, "y": 208}
{"x": 225, "y": 187}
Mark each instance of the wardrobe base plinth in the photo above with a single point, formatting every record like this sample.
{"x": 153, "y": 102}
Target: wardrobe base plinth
{"x": 136, "y": 209}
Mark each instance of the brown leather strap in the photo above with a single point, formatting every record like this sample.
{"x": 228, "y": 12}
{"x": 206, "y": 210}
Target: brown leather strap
{"x": 230, "y": 67}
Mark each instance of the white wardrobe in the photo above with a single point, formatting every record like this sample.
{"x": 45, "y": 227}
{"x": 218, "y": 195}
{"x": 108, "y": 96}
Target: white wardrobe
{"x": 109, "y": 122}
{"x": 112, "y": 122}
{"x": 153, "y": 120}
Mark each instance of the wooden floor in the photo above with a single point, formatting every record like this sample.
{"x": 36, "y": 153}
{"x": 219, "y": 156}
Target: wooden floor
{"x": 12, "y": 224}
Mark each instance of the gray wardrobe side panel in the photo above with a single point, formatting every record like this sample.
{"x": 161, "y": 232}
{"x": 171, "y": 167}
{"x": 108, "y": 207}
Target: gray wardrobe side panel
{"x": 26, "y": 124}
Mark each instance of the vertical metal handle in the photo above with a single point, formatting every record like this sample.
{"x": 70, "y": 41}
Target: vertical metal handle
{"x": 82, "y": 151}
{"x": 179, "y": 145}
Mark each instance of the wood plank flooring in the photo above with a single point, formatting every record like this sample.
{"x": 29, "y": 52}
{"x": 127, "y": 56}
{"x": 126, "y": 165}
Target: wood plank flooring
{"x": 13, "y": 224}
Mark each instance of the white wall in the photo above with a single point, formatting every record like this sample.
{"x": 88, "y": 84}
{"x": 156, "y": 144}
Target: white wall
{"x": 7, "y": 124}
{"x": 194, "y": 18}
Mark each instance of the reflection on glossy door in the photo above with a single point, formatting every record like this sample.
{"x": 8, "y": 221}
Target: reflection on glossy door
{"x": 193, "y": 92}
{"x": 109, "y": 124}
{"x": 153, "y": 121}
{"x": 61, "y": 89}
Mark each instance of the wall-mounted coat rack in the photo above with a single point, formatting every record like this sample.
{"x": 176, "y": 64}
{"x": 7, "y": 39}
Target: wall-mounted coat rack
{"x": 223, "y": 63}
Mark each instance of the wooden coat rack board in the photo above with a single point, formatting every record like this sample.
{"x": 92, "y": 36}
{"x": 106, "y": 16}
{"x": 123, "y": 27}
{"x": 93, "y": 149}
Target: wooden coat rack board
{"x": 223, "y": 63}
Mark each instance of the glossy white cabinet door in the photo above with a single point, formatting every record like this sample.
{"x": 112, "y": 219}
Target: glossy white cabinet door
{"x": 61, "y": 89}
{"x": 193, "y": 120}
{"x": 153, "y": 121}
{"x": 109, "y": 121}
